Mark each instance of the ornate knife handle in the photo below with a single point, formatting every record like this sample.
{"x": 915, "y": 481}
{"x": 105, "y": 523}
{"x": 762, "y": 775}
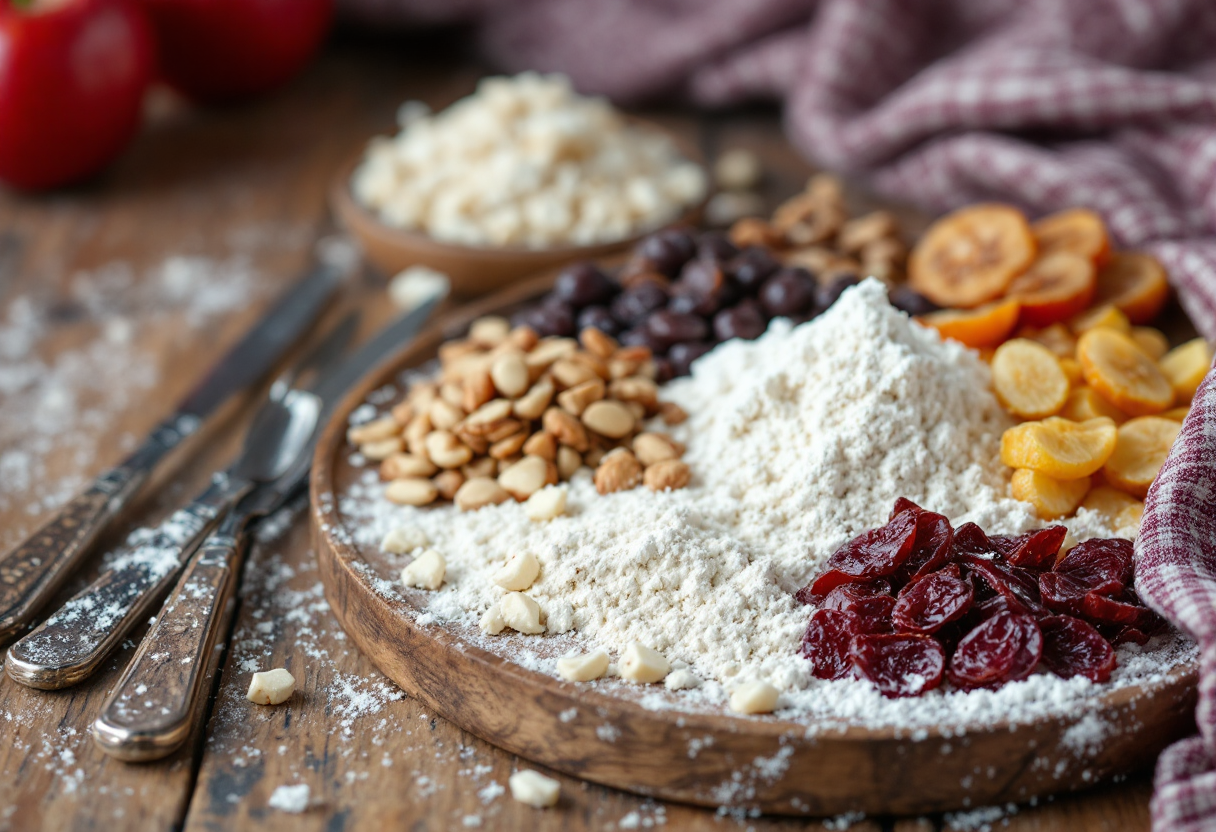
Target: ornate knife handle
{"x": 31, "y": 573}
{"x": 157, "y": 701}
{"x": 69, "y": 646}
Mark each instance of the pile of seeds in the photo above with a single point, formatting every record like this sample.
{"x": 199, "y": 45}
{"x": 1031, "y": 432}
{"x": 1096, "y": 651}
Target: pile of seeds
{"x": 510, "y": 413}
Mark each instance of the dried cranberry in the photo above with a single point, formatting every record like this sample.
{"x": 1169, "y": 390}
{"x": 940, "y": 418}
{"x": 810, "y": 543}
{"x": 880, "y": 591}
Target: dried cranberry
{"x": 681, "y": 356}
{"x": 903, "y": 504}
{"x": 828, "y": 294}
{"x": 931, "y": 550}
{"x": 969, "y": 539}
{"x": 1015, "y": 586}
{"x": 1033, "y": 550}
{"x": 633, "y": 305}
{"x": 1100, "y": 608}
{"x": 1006, "y": 647}
{"x": 583, "y": 284}
{"x": 1102, "y": 567}
{"x": 791, "y": 291}
{"x": 667, "y": 250}
{"x": 1073, "y": 648}
{"x": 932, "y": 602}
{"x": 906, "y": 299}
{"x": 715, "y": 245}
{"x": 752, "y": 267}
{"x": 871, "y": 601}
{"x": 598, "y": 317}
{"x": 1130, "y": 635}
{"x": 672, "y": 327}
{"x": 827, "y": 641}
{"x": 873, "y": 554}
{"x": 747, "y": 321}
{"x": 899, "y": 664}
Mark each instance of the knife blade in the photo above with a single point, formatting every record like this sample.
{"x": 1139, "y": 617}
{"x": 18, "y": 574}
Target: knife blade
{"x": 33, "y": 571}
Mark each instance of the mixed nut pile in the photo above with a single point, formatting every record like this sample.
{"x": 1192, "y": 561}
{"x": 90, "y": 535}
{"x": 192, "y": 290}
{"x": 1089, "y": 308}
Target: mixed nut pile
{"x": 915, "y": 601}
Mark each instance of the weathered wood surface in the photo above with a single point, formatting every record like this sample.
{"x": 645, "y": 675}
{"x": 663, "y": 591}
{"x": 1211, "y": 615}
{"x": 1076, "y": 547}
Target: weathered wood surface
{"x": 245, "y": 190}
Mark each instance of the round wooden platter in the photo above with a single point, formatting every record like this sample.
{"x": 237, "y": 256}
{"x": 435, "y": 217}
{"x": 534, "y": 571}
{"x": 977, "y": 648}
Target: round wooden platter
{"x": 638, "y": 738}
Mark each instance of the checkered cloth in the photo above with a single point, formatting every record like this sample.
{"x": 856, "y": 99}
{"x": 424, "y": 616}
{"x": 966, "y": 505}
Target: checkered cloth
{"x": 1109, "y": 104}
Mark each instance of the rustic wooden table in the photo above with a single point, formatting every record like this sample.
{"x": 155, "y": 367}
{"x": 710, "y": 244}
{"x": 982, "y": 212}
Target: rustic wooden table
{"x": 113, "y": 298}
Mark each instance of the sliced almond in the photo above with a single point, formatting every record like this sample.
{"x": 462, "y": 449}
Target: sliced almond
{"x": 609, "y": 418}
{"x": 385, "y": 427}
{"x": 405, "y": 465}
{"x": 650, "y": 448}
{"x": 411, "y": 491}
{"x": 448, "y": 483}
{"x": 541, "y": 444}
{"x": 575, "y": 400}
{"x": 526, "y": 477}
{"x": 382, "y": 448}
{"x": 565, "y": 429}
{"x": 534, "y": 403}
{"x": 480, "y": 492}
{"x": 510, "y": 375}
{"x": 446, "y": 451}
{"x": 598, "y": 343}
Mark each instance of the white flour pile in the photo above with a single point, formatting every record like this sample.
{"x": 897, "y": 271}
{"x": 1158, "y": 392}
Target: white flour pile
{"x": 798, "y": 441}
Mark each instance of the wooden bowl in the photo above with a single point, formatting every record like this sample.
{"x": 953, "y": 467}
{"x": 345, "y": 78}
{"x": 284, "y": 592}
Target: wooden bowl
{"x": 710, "y": 758}
{"x": 473, "y": 271}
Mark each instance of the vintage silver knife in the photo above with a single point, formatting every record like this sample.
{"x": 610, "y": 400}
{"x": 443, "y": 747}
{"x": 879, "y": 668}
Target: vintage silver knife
{"x": 32, "y": 572}
{"x": 159, "y": 698}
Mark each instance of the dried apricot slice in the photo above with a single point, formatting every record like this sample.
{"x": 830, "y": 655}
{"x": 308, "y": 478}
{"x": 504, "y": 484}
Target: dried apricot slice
{"x": 1140, "y": 450}
{"x": 1050, "y": 497}
{"x": 971, "y": 256}
{"x": 1054, "y": 288}
{"x": 1122, "y": 373}
{"x": 986, "y": 326}
{"x": 1055, "y": 337}
{"x": 1028, "y": 379}
{"x": 1135, "y": 283}
{"x": 1178, "y": 414}
{"x": 1084, "y": 404}
{"x": 1078, "y": 231}
{"x": 1059, "y": 448}
{"x": 1105, "y": 316}
{"x": 1121, "y": 510}
{"x": 1186, "y": 365}
{"x": 1152, "y": 341}
{"x": 1072, "y": 370}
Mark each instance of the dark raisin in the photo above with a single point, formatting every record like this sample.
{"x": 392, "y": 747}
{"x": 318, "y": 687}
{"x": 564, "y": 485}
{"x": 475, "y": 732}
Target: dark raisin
{"x": 747, "y": 321}
{"x": 584, "y": 284}
{"x": 932, "y": 602}
{"x": 715, "y": 245}
{"x": 831, "y": 292}
{"x": 873, "y": 554}
{"x": 1073, "y": 648}
{"x": 791, "y": 291}
{"x": 752, "y": 267}
{"x": 906, "y": 299}
{"x": 1004, "y": 648}
{"x": 598, "y": 317}
{"x": 682, "y": 355}
{"x": 670, "y": 328}
{"x": 642, "y": 337}
{"x": 548, "y": 319}
{"x": 667, "y": 250}
{"x": 931, "y": 551}
{"x": 633, "y": 305}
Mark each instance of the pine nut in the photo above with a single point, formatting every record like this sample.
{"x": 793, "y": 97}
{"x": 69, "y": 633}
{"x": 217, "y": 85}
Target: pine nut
{"x": 446, "y": 451}
{"x": 575, "y": 400}
{"x": 609, "y": 418}
{"x": 568, "y": 462}
{"x": 489, "y": 331}
{"x": 448, "y": 482}
{"x": 598, "y": 343}
{"x": 667, "y": 475}
{"x": 383, "y": 428}
{"x": 566, "y": 429}
{"x": 510, "y": 375}
{"x": 541, "y": 444}
{"x": 654, "y": 447}
{"x": 532, "y": 405}
{"x": 479, "y": 492}
{"x": 405, "y": 465}
{"x": 411, "y": 491}
{"x": 526, "y": 477}
{"x": 382, "y": 448}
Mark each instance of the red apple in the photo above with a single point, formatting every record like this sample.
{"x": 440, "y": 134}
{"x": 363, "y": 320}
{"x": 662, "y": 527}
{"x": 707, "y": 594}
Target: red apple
{"x": 72, "y": 80}
{"x": 217, "y": 51}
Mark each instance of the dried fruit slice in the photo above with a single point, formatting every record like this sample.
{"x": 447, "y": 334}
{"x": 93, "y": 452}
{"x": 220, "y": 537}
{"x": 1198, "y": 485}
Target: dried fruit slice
{"x": 931, "y": 550}
{"x": 1135, "y": 283}
{"x": 1072, "y": 370}
{"x": 1018, "y": 589}
{"x": 986, "y": 326}
{"x": 1051, "y": 498}
{"x": 1004, "y": 648}
{"x": 1152, "y": 341}
{"x": 1140, "y": 451}
{"x": 1073, "y": 648}
{"x": 873, "y": 554}
{"x": 1122, "y": 373}
{"x": 932, "y": 602}
{"x": 971, "y": 256}
{"x": 1106, "y": 610}
{"x": 1101, "y": 317}
{"x": 970, "y": 539}
{"x": 1186, "y": 365}
{"x": 903, "y": 504}
{"x": 1055, "y": 337}
{"x": 1059, "y": 448}
{"x": 1103, "y": 567}
{"x": 1178, "y": 414}
{"x": 1036, "y": 549}
{"x": 1078, "y": 231}
{"x": 899, "y": 664}
{"x": 1028, "y": 379}
{"x": 1054, "y": 288}
{"x": 827, "y": 642}
{"x": 1084, "y": 404}
{"x": 1121, "y": 510}
{"x": 871, "y": 602}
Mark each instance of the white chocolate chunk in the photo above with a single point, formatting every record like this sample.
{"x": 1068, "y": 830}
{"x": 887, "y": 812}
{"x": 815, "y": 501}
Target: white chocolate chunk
{"x": 641, "y": 664}
{"x": 546, "y": 504}
{"x": 534, "y": 788}
{"x": 682, "y": 679}
{"x": 403, "y": 540}
{"x": 521, "y": 613}
{"x": 519, "y": 572}
{"x": 491, "y": 622}
{"x": 425, "y": 571}
{"x": 271, "y": 687}
{"x": 754, "y": 698}
{"x": 583, "y": 668}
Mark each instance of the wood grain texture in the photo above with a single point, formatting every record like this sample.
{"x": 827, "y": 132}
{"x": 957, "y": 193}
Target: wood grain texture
{"x": 249, "y": 185}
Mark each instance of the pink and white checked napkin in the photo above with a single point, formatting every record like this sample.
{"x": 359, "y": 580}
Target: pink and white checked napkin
{"x": 1109, "y": 104}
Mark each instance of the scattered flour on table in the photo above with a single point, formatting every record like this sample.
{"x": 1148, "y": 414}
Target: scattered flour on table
{"x": 798, "y": 441}
{"x": 293, "y": 799}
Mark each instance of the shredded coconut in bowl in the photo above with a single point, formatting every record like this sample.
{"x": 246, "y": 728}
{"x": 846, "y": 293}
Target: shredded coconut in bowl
{"x": 798, "y": 441}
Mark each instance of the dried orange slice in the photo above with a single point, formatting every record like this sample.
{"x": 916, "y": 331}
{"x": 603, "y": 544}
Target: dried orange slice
{"x": 1152, "y": 341}
{"x": 1055, "y": 337}
{"x": 1186, "y": 365}
{"x": 1135, "y": 283}
{"x": 1050, "y": 497}
{"x": 1122, "y": 373}
{"x": 1178, "y": 414}
{"x": 1054, "y": 288}
{"x": 986, "y": 326}
{"x": 1121, "y": 510}
{"x": 1028, "y": 379}
{"x": 1141, "y": 449}
{"x": 1084, "y": 404}
{"x": 1078, "y": 231}
{"x": 1072, "y": 369}
{"x": 971, "y": 256}
{"x": 1101, "y": 317}
{"x": 1059, "y": 448}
